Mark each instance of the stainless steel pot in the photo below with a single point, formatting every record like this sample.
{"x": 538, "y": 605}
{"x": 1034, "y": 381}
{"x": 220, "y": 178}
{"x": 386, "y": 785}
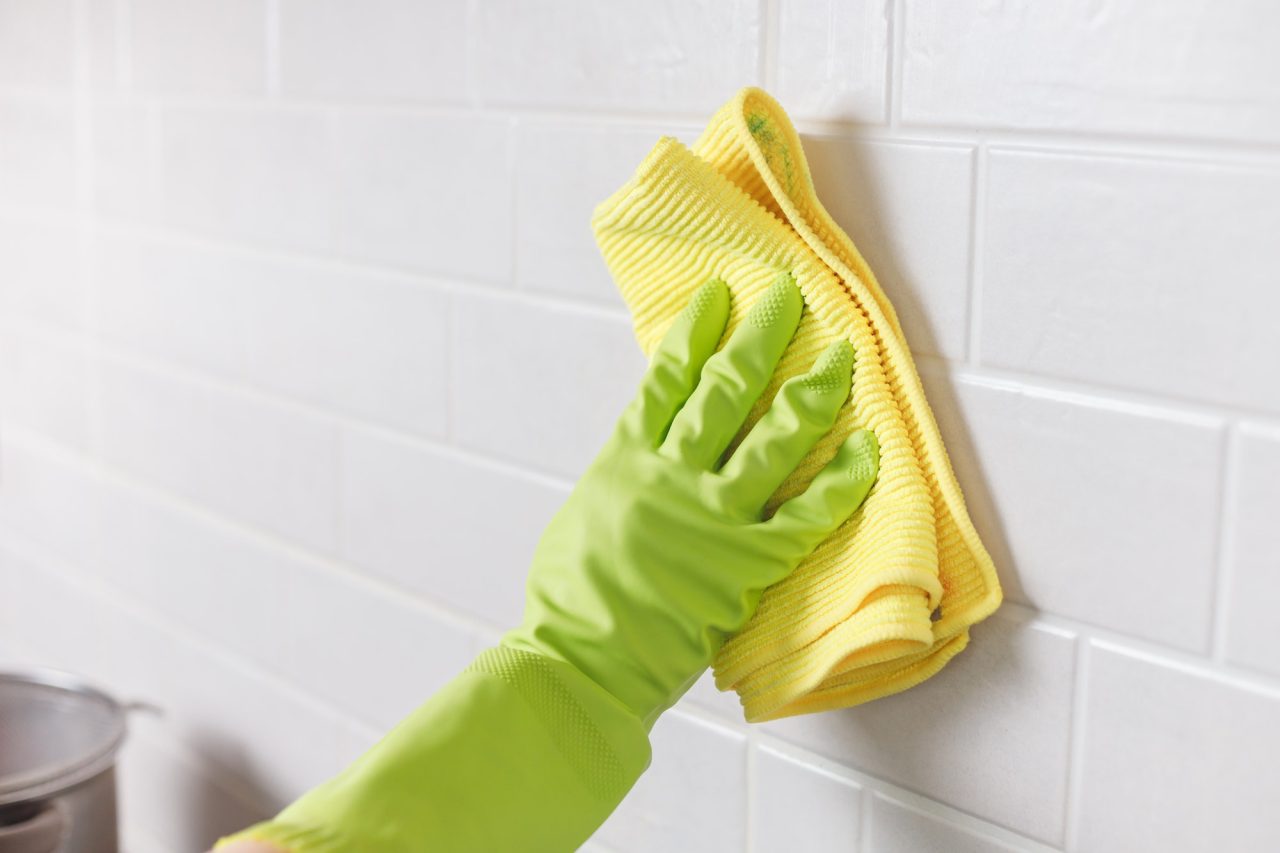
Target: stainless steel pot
{"x": 58, "y": 743}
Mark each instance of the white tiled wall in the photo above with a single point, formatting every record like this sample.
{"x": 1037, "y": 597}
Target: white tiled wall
{"x": 304, "y": 337}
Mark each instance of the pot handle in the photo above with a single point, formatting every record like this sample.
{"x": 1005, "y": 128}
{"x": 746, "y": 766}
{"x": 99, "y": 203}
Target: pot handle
{"x": 41, "y": 833}
{"x": 141, "y": 706}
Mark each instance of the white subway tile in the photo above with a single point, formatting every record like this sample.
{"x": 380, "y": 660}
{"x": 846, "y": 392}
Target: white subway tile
{"x": 542, "y": 385}
{"x": 374, "y": 655}
{"x": 175, "y": 303}
{"x": 249, "y": 460}
{"x": 1175, "y": 761}
{"x": 365, "y": 344}
{"x": 1253, "y": 560}
{"x": 832, "y": 59}
{"x": 372, "y": 346}
{"x": 36, "y": 43}
{"x": 126, "y": 161}
{"x": 39, "y": 275}
{"x": 43, "y": 385}
{"x": 199, "y": 46}
{"x": 375, "y": 49}
{"x": 896, "y": 828}
{"x": 988, "y": 734}
{"x": 1101, "y": 513}
{"x": 47, "y": 499}
{"x": 249, "y": 174}
{"x": 562, "y": 173}
{"x": 908, "y": 210}
{"x": 664, "y": 56}
{"x": 1164, "y": 68}
{"x": 37, "y": 153}
{"x": 1147, "y": 274}
{"x": 798, "y": 807}
{"x": 692, "y": 797}
{"x": 458, "y": 533}
{"x": 423, "y": 192}
{"x": 210, "y": 578}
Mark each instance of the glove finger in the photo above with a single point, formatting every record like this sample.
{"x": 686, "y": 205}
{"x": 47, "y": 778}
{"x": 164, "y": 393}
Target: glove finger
{"x": 803, "y": 412}
{"x": 802, "y": 523}
{"x": 678, "y": 361}
{"x": 734, "y": 378}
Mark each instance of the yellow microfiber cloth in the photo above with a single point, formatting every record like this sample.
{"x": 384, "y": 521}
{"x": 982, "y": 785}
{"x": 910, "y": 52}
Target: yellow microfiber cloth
{"x": 888, "y": 599}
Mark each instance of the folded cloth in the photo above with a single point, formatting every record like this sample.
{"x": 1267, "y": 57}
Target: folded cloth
{"x": 888, "y": 599}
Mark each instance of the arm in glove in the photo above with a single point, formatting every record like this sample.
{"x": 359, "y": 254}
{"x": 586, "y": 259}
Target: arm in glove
{"x": 660, "y": 553}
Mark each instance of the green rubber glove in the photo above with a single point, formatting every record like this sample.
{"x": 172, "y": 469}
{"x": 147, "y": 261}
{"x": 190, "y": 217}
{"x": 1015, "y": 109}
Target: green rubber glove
{"x": 658, "y": 555}
{"x": 661, "y": 552}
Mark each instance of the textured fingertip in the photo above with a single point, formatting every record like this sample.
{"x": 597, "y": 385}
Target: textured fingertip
{"x": 712, "y": 295}
{"x": 863, "y": 456}
{"x": 833, "y": 371}
{"x": 781, "y": 302}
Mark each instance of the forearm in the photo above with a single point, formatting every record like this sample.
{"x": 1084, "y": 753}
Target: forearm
{"x": 519, "y": 752}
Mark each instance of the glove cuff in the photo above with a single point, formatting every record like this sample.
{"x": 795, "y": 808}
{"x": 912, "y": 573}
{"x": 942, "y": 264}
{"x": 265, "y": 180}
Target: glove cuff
{"x": 518, "y": 752}
{"x": 595, "y": 732}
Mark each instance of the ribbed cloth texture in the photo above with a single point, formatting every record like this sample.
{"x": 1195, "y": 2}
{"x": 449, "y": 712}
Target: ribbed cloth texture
{"x": 888, "y": 599}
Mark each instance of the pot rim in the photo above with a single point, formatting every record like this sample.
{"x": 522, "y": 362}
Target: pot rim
{"x": 40, "y": 785}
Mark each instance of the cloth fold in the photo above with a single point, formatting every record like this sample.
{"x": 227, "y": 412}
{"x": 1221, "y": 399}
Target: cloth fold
{"x": 888, "y": 599}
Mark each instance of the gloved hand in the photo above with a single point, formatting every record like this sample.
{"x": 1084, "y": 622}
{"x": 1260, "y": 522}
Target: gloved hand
{"x": 661, "y": 551}
{"x": 658, "y": 555}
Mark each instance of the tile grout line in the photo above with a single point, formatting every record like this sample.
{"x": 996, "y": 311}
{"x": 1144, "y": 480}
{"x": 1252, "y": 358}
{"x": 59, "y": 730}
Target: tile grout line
{"x": 205, "y": 241}
{"x": 123, "y": 39}
{"x": 512, "y": 151}
{"x": 896, "y": 11}
{"x": 1074, "y": 793}
{"x": 450, "y": 437}
{"x": 866, "y": 799}
{"x": 977, "y": 253}
{"x": 89, "y": 309}
{"x": 1224, "y": 549}
{"x": 470, "y": 73}
{"x": 271, "y": 48}
{"x": 770, "y": 32}
{"x": 1089, "y": 393}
